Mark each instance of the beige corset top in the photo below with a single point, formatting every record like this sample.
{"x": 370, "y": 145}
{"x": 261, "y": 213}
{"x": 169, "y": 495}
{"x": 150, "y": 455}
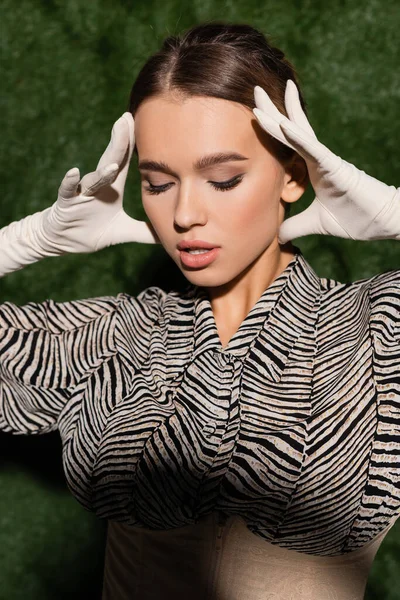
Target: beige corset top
{"x": 209, "y": 561}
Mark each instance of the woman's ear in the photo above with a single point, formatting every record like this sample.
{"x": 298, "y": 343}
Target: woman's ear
{"x": 296, "y": 179}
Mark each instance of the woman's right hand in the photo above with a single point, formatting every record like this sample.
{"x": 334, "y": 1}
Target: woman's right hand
{"x": 88, "y": 214}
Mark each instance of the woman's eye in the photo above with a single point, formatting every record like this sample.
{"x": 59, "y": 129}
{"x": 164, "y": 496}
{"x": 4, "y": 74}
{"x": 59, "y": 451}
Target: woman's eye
{"x": 156, "y": 189}
{"x": 227, "y": 185}
{"x": 220, "y": 185}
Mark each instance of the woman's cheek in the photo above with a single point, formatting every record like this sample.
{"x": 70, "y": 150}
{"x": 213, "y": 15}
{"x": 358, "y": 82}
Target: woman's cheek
{"x": 153, "y": 217}
{"x": 152, "y": 211}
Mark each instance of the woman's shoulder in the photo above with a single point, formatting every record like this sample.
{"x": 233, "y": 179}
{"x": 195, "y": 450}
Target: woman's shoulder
{"x": 373, "y": 299}
{"x": 156, "y": 304}
{"x": 154, "y": 298}
{"x": 375, "y": 286}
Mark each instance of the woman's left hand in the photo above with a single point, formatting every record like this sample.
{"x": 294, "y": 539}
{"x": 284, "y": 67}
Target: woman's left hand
{"x": 349, "y": 203}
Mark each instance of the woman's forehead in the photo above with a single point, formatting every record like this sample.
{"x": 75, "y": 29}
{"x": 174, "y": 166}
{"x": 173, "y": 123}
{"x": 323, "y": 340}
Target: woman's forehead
{"x": 211, "y": 124}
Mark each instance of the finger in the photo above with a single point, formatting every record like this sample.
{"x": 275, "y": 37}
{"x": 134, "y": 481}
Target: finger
{"x": 271, "y": 126}
{"x": 93, "y": 182}
{"x": 118, "y": 144}
{"x": 124, "y": 166}
{"x": 264, "y": 103}
{"x": 294, "y": 108}
{"x": 69, "y": 185}
{"x": 306, "y": 145}
{"x": 131, "y": 125}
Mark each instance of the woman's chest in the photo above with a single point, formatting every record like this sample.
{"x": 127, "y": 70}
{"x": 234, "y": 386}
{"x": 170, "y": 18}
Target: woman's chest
{"x": 282, "y": 453}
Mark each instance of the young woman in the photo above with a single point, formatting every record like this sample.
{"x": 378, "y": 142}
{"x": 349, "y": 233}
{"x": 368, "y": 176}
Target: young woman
{"x": 242, "y": 437}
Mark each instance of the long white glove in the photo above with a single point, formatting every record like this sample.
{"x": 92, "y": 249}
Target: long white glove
{"x": 87, "y": 216}
{"x": 349, "y": 203}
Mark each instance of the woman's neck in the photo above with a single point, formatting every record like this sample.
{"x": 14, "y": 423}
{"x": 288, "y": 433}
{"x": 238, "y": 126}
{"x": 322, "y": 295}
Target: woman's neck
{"x": 232, "y": 302}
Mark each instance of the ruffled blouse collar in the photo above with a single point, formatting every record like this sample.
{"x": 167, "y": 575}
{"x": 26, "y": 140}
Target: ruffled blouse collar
{"x": 275, "y": 322}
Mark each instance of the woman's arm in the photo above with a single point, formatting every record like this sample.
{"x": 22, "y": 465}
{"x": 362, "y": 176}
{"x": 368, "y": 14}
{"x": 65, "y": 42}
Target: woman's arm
{"x": 46, "y": 349}
{"x": 88, "y": 214}
{"x": 348, "y": 203}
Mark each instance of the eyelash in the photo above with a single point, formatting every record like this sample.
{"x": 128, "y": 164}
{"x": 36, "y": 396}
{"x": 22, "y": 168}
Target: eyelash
{"x": 221, "y": 187}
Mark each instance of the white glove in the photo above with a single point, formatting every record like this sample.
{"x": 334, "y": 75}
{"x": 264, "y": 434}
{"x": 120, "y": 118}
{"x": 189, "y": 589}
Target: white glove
{"x": 349, "y": 203}
{"x": 88, "y": 214}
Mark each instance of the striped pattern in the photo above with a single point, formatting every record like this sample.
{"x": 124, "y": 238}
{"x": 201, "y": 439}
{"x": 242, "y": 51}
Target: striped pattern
{"x": 294, "y": 426}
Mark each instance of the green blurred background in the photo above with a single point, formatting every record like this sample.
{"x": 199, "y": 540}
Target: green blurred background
{"x": 66, "y": 70}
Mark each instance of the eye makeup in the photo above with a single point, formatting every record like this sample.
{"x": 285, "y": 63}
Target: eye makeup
{"x": 221, "y": 186}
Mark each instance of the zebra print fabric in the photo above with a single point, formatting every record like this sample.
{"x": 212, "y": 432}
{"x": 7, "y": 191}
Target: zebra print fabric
{"x": 294, "y": 426}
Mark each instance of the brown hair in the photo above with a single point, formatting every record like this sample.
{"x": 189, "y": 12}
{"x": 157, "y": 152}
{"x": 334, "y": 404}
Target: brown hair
{"x": 219, "y": 60}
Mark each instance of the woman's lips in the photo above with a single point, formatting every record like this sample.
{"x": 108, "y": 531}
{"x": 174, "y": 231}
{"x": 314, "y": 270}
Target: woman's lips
{"x": 196, "y": 245}
{"x": 199, "y": 260}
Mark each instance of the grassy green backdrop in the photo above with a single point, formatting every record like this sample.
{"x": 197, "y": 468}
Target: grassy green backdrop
{"x": 66, "y": 72}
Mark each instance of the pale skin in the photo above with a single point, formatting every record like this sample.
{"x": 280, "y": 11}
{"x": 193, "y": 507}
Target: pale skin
{"x": 244, "y": 221}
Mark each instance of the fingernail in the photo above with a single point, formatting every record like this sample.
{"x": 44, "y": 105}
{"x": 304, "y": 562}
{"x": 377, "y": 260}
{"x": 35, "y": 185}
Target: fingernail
{"x": 72, "y": 172}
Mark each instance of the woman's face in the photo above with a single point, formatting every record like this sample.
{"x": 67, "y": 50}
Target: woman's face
{"x": 192, "y": 204}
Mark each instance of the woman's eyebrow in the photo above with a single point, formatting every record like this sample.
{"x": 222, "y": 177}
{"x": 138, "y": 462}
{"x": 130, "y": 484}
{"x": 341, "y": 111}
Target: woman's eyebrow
{"x": 201, "y": 164}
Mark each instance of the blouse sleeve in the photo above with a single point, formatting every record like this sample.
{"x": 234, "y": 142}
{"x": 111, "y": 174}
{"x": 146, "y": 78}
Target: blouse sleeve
{"x": 45, "y": 350}
{"x": 384, "y": 292}
{"x": 385, "y": 316}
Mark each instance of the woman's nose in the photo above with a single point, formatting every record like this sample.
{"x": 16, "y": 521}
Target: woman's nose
{"x": 190, "y": 209}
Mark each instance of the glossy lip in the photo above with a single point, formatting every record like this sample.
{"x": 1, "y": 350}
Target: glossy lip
{"x": 199, "y": 260}
{"x": 195, "y": 244}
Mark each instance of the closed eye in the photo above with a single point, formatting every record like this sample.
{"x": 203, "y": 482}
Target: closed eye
{"x": 222, "y": 186}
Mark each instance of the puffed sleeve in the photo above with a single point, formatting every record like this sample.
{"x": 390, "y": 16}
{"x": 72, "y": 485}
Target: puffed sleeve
{"x": 384, "y": 292}
{"x": 384, "y": 468}
{"x": 45, "y": 350}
